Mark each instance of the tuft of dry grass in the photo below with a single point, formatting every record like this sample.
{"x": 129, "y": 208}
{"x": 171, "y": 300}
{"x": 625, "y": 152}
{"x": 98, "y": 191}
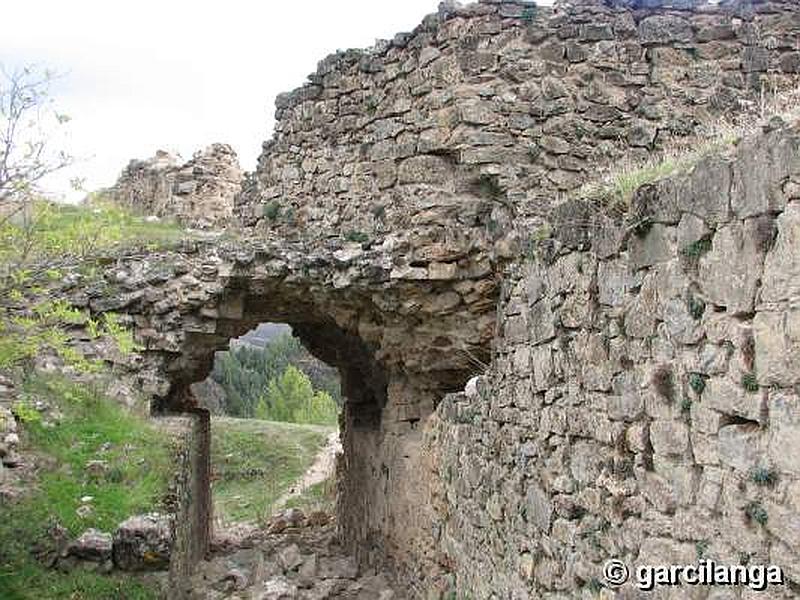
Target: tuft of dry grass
{"x": 615, "y": 188}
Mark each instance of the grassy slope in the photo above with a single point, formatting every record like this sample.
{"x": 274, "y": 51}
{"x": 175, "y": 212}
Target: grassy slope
{"x": 135, "y": 481}
{"x": 255, "y": 462}
{"x": 320, "y": 496}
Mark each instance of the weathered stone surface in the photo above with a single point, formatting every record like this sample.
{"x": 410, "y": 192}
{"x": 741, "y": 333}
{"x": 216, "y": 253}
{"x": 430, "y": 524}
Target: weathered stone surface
{"x": 665, "y": 29}
{"x": 781, "y": 281}
{"x": 755, "y": 187}
{"x": 143, "y": 543}
{"x": 777, "y": 346}
{"x": 449, "y": 146}
{"x": 740, "y": 447}
{"x": 784, "y": 432}
{"x": 670, "y": 438}
{"x": 729, "y": 398}
{"x": 198, "y": 193}
{"x": 93, "y": 545}
{"x": 656, "y": 246}
{"x": 598, "y": 418}
{"x": 731, "y": 272}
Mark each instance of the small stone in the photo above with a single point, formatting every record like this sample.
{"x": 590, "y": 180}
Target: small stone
{"x": 290, "y": 557}
{"x": 93, "y": 545}
{"x": 143, "y": 543}
{"x": 278, "y": 588}
{"x": 96, "y": 468}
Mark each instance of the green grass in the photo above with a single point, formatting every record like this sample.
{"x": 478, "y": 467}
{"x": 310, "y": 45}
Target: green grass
{"x": 320, "y": 496}
{"x": 616, "y": 189}
{"x": 58, "y": 230}
{"x": 356, "y": 236}
{"x": 138, "y": 460}
{"x": 255, "y": 462}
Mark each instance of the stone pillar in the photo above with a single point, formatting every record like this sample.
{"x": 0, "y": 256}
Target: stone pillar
{"x": 192, "y": 528}
{"x": 201, "y": 510}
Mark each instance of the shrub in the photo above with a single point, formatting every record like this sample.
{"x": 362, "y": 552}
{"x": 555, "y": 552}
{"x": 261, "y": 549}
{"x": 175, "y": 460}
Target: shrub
{"x": 697, "y": 382}
{"x": 701, "y": 547}
{"x": 764, "y": 476}
{"x": 697, "y": 307}
{"x": 356, "y": 236}
{"x": 697, "y": 249}
{"x": 26, "y": 413}
{"x": 750, "y": 382}
{"x": 122, "y": 336}
{"x": 756, "y": 512}
{"x": 272, "y": 210}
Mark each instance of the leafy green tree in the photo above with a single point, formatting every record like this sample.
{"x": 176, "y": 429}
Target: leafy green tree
{"x": 262, "y": 410}
{"x": 246, "y": 372}
{"x": 292, "y": 398}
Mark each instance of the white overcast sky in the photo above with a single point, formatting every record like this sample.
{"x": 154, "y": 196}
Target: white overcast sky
{"x": 179, "y": 75}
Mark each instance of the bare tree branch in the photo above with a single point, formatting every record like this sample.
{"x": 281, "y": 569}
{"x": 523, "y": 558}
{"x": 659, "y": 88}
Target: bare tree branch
{"x": 25, "y": 155}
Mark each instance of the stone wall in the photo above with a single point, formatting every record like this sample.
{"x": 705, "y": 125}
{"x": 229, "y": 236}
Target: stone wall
{"x": 392, "y": 202}
{"x": 643, "y": 402}
{"x": 198, "y": 193}
{"x": 437, "y": 140}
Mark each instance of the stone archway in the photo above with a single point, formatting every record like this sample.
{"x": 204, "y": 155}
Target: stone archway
{"x": 400, "y": 342}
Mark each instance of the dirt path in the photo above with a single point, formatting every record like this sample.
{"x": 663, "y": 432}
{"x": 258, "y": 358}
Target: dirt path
{"x": 322, "y": 468}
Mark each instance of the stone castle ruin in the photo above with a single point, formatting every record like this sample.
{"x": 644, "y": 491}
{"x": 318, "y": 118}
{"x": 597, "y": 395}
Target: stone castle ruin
{"x": 419, "y": 219}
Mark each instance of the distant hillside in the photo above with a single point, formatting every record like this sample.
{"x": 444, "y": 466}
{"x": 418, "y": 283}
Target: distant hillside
{"x": 262, "y": 335}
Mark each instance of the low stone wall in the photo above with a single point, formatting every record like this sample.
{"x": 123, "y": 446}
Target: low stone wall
{"x": 643, "y": 403}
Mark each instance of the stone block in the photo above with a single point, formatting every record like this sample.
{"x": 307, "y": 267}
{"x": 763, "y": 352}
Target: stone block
{"x": 740, "y": 447}
{"x": 777, "y": 343}
{"x": 424, "y": 169}
{"x": 656, "y": 246}
{"x": 730, "y": 272}
{"x": 539, "y": 508}
{"x": 669, "y": 438}
{"x": 781, "y": 281}
{"x": 784, "y": 432}
{"x": 664, "y": 29}
{"x": 761, "y": 164}
{"x": 93, "y": 545}
{"x": 143, "y": 543}
{"x": 613, "y": 282}
{"x": 730, "y": 398}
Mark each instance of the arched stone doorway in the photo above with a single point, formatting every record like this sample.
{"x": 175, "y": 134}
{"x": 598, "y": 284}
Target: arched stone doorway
{"x": 400, "y": 343}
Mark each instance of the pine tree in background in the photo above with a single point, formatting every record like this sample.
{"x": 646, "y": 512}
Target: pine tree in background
{"x": 280, "y": 382}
